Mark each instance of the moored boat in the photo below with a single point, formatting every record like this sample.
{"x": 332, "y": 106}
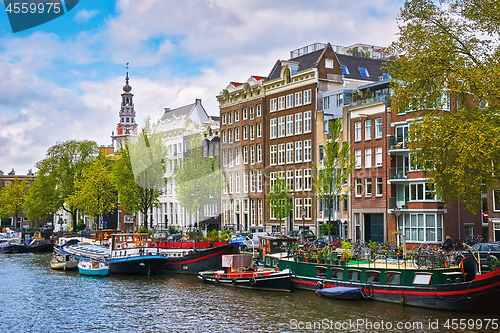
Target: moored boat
{"x": 238, "y": 272}
{"x": 125, "y": 254}
{"x": 93, "y": 267}
{"x": 447, "y": 288}
{"x": 61, "y": 261}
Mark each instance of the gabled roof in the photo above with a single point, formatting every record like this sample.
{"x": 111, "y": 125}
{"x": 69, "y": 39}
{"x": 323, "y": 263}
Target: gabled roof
{"x": 305, "y": 61}
{"x": 179, "y": 112}
{"x": 372, "y": 65}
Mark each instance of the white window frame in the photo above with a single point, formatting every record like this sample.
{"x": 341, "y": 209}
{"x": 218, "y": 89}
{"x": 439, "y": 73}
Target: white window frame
{"x": 379, "y": 186}
{"x": 281, "y": 127}
{"x": 236, "y": 116}
{"x": 298, "y": 98}
{"x": 273, "y": 155}
{"x": 307, "y": 150}
{"x": 368, "y": 158}
{"x": 378, "y": 156}
{"x": 245, "y": 132}
{"x": 289, "y": 152}
{"x": 251, "y": 115}
{"x": 378, "y": 128}
{"x": 307, "y": 96}
{"x": 273, "y": 123}
{"x": 298, "y": 151}
{"x": 252, "y": 154}
{"x": 273, "y": 105}
{"x": 245, "y": 114}
{"x": 298, "y": 180}
{"x": 289, "y": 125}
{"x": 259, "y": 129}
{"x": 281, "y": 103}
{"x": 298, "y": 123}
{"x": 259, "y": 153}
{"x": 259, "y": 110}
{"x": 307, "y": 121}
{"x": 357, "y": 131}
{"x": 245, "y": 154}
{"x": 307, "y": 180}
{"x": 368, "y": 129}
{"x": 357, "y": 158}
{"x": 368, "y": 187}
{"x": 358, "y": 185}
{"x": 289, "y": 101}
{"x": 281, "y": 154}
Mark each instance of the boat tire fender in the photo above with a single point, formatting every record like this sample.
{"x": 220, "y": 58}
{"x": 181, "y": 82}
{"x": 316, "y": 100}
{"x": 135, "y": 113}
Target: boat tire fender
{"x": 217, "y": 280}
{"x": 253, "y": 281}
{"x": 233, "y": 282}
{"x": 204, "y": 278}
{"x": 320, "y": 285}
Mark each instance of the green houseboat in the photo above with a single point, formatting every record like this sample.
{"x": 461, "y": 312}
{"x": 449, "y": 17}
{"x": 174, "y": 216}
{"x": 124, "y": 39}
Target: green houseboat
{"x": 461, "y": 288}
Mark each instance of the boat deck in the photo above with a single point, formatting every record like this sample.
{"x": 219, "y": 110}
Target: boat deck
{"x": 388, "y": 263}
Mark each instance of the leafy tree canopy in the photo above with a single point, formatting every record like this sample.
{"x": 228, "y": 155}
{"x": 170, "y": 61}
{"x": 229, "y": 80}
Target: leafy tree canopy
{"x": 280, "y": 199}
{"x": 448, "y": 49}
{"x": 198, "y": 180}
{"x": 64, "y": 165}
{"x": 95, "y": 193}
{"x": 138, "y": 175}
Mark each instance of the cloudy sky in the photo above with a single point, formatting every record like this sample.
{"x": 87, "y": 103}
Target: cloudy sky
{"x": 62, "y": 80}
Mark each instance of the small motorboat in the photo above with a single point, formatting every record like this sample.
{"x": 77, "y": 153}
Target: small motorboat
{"x": 341, "y": 292}
{"x": 240, "y": 273}
{"x": 93, "y": 267}
{"x": 61, "y": 261}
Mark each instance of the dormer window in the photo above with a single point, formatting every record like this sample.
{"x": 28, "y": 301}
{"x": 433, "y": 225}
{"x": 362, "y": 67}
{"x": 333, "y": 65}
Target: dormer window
{"x": 328, "y": 63}
{"x": 345, "y": 70}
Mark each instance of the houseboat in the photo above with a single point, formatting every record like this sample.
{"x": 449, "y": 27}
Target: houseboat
{"x": 239, "y": 272}
{"x": 393, "y": 280}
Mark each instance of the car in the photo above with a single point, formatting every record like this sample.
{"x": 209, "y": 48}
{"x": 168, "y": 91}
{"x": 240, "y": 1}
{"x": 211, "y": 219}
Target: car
{"x": 484, "y": 249}
{"x": 241, "y": 242}
{"x": 322, "y": 241}
{"x": 302, "y": 235}
{"x": 174, "y": 238}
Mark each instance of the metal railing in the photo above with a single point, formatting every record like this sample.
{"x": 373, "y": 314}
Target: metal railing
{"x": 397, "y": 143}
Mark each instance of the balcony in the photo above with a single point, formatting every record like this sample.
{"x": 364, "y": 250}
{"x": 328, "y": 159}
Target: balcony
{"x": 398, "y": 173}
{"x": 401, "y": 202}
{"x": 396, "y": 143}
{"x": 371, "y": 100}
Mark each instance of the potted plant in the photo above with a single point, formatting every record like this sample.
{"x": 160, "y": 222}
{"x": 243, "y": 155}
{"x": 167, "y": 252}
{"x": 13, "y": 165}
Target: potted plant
{"x": 346, "y": 252}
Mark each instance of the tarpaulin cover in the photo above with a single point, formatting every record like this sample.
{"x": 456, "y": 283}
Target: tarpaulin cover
{"x": 236, "y": 260}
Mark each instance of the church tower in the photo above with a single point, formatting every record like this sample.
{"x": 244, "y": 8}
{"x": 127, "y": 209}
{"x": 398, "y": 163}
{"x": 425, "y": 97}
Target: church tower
{"x": 126, "y": 127}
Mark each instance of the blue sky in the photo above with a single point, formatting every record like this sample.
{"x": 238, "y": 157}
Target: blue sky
{"x": 62, "y": 80}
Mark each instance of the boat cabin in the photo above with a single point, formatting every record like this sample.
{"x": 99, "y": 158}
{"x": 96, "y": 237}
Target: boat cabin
{"x": 124, "y": 241}
{"x": 274, "y": 243}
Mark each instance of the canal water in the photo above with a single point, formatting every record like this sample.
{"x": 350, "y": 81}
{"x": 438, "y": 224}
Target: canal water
{"x": 34, "y": 298}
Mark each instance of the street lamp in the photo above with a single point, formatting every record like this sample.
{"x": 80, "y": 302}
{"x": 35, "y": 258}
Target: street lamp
{"x": 303, "y": 221}
{"x": 397, "y": 212}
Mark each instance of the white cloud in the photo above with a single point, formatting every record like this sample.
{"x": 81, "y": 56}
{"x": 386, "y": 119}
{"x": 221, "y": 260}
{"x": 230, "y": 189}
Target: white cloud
{"x": 83, "y": 16}
{"x": 56, "y": 88}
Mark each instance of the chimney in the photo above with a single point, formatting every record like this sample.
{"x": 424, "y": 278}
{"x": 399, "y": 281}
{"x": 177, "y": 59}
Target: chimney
{"x": 198, "y": 101}
{"x": 166, "y": 109}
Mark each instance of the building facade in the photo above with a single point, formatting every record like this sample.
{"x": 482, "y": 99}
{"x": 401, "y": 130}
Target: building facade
{"x": 243, "y": 154}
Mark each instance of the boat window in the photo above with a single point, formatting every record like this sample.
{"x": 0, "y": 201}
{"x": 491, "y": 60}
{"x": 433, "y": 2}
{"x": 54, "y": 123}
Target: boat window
{"x": 268, "y": 261}
{"x": 354, "y": 275}
{"x": 321, "y": 272}
{"x": 338, "y": 274}
{"x": 372, "y": 277}
{"x": 393, "y": 278}
{"x": 275, "y": 263}
{"x": 423, "y": 279}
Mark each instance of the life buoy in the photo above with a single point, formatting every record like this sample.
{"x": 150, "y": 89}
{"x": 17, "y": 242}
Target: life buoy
{"x": 233, "y": 282}
{"x": 253, "y": 281}
{"x": 320, "y": 285}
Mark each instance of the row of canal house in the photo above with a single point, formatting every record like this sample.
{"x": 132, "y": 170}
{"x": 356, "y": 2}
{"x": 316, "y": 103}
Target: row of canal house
{"x": 277, "y": 125}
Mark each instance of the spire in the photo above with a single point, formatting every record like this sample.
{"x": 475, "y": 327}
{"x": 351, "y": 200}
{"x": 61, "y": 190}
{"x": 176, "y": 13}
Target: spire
{"x": 127, "y": 88}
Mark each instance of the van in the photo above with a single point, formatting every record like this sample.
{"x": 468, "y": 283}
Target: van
{"x": 254, "y": 237}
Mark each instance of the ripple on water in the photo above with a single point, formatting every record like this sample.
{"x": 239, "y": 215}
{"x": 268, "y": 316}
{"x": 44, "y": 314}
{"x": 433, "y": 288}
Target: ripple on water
{"x": 38, "y": 299}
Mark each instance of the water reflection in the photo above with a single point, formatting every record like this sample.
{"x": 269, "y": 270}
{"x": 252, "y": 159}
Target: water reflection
{"x": 38, "y": 299}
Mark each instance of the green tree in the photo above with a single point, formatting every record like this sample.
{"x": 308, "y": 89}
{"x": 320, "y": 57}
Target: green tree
{"x": 450, "y": 49}
{"x": 198, "y": 180}
{"x": 280, "y": 200}
{"x": 64, "y": 164}
{"x": 43, "y": 186}
{"x": 95, "y": 193}
{"x": 138, "y": 176}
{"x": 338, "y": 163}
{"x": 12, "y": 198}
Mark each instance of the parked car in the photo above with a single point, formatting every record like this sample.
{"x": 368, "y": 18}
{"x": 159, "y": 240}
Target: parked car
{"x": 254, "y": 236}
{"x": 484, "y": 249}
{"x": 241, "y": 242}
{"x": 302, "y": 235}
{"x": 174, "y": 238}
{"x": 322, "y": 241}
